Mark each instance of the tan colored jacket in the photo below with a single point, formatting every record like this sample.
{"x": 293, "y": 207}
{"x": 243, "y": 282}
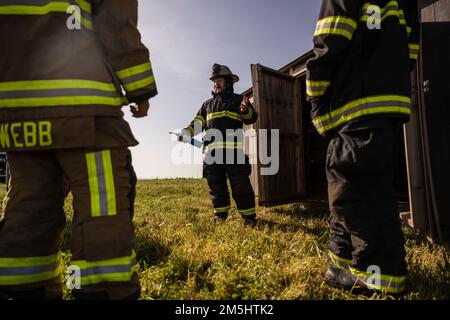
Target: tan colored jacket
{"x": 49, "y": 71}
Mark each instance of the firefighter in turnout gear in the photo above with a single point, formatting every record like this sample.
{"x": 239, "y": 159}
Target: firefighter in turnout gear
{"x": 66, "y": 69}
{"x": 358, "y": 84}
{"x": 223, "y": 117}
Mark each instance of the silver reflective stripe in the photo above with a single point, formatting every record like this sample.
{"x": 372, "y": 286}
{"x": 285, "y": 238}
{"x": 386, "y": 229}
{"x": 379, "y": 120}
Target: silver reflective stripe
{"x": 106, "y": 270}
{"x": 101, "y": 184}
{"x": 48, "y": 93}
{"x": 369, "y": 105}
{"x": 23, "y": 271}
{"x": 137, "y": 77}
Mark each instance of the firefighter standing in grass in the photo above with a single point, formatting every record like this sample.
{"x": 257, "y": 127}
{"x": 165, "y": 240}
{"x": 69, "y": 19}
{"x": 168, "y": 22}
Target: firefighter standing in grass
{"x": 359, "y": 86}
{"x": 224, "y": 112}
{"x": 60, "y": 115}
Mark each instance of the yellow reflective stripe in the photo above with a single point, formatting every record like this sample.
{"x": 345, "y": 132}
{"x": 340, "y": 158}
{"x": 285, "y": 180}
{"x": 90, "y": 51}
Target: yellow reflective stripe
{"x": 129, "y": 72}
{"x": 40, "y": 86}
{"x": 87, "y": 23}
{"x": 63, "y": 101}
{"x": 385, "y": 13}
{"x": 35, "y": 10}
{"x": 224, "y": 145}
{"x": 248, "y": 212}
{"x": 339, "y": 19}
{"x": 390, "y": 4}
{"x": 109, "y": 277}
{"x": 83, "y": 264}
{"x": 313, "y": 84}
{"x": 55, "y": 6}
{"x": 338, "y": 32}
{"x": 30, "y": 263}
{"x": 336, "y": 25}
{"x": 371, "y": 111}
{"x": 316, "y": 88}
{"x": 109, "y": 181}
{"x": 101, "y": 184}
{"x": 316, "y": 93}
{"x": 56, "y": 84}
{"x": 387, "y": 283}
{"x": 393, "y": 279}
{"x": 224, "y": 114}
{"x": 133, "y": 86}
{"x": 84, "y": 5}
{"x": 339, "y": 262}
{"x": 112, "y": 270}
{"x": 52, "y": 6}
{"x": 362, "y": 101}
{"x": 223, "y": 209}
{"x": 391, "y": 13}
{"x": 200, "y": 119}
{"x": 93, "y": 184}
{"x": 28, "y": 279}
{"x": 191, "y": 130}
{"x": 249, "y": 115}
{"x": 361, "y": 107}
{"x": 414, "y": 49}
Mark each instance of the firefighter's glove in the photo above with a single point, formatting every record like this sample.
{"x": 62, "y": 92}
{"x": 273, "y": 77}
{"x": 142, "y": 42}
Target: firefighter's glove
{"x": 185, "y": 136}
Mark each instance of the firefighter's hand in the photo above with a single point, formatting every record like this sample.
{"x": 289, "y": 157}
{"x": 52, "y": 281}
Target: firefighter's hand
{"x": 185, "y": 136}
{"x": 140, "y": 110}
{"x": 244, "y": 105}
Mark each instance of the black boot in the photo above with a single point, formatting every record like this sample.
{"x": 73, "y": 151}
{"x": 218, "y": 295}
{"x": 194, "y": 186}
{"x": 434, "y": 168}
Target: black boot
{"x": 250, "y": 221}
{"x": 344, "y": 279}
{"x": 220, "y": 217}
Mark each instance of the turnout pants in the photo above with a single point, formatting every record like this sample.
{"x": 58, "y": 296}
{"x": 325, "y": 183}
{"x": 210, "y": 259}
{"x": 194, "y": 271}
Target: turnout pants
{"x": 242, "y": 190}
{"x": 102, "y": 263}
{"x": 366, "y": 234}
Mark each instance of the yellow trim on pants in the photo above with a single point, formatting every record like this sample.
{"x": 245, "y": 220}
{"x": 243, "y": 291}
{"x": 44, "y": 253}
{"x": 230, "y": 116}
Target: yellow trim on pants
{"x": 101, "y": 184}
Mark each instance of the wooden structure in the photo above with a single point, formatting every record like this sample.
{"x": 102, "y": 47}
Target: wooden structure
{"x": 422, "y": 183}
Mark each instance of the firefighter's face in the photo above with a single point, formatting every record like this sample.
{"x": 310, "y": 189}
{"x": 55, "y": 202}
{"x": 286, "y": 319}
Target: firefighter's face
{"x": 219, "y": 85}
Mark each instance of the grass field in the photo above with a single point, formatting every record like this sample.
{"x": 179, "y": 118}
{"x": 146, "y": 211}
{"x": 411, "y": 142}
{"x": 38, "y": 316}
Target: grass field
{"x": 183, "y": 255}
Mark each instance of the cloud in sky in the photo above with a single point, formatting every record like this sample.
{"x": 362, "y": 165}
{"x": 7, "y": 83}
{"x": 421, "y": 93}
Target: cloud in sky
{"x": 185, "y": 38}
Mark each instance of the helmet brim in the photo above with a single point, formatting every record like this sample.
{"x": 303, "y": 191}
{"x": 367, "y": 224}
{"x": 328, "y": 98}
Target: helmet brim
{"x": 235, "y": 77}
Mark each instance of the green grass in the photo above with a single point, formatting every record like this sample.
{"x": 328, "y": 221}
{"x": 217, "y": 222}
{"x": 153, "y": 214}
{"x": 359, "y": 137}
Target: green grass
{"x": 183, "y": 255}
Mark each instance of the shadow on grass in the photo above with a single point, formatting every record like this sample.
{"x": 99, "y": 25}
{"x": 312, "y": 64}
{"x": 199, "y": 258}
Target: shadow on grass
{"x": 150, "y": 250}
{"x": 318, "y": 231}
{"x": 305, "y": 210}
{"x": 426, "y": 285}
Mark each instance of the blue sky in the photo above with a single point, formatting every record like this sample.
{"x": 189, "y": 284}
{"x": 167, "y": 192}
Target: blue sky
{"x": 185, "y": 38}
